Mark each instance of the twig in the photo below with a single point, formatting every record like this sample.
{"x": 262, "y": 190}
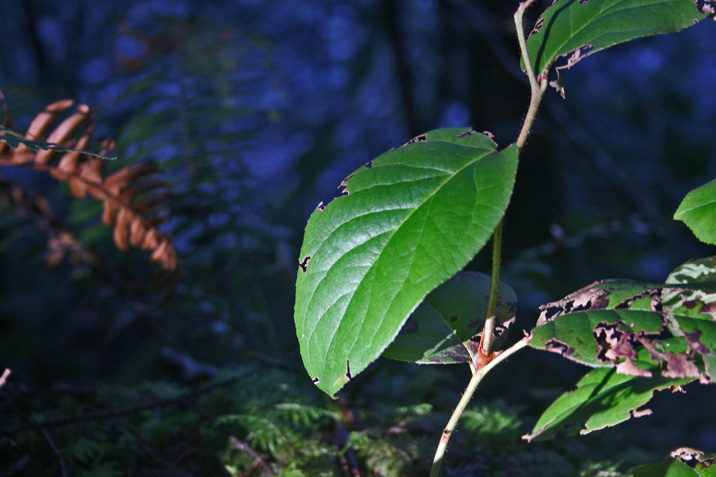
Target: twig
{"x": 6, "y": 374}
{"x": 469, "y": 391}
{"x": 481, "y": 368}
{"x": 483, "y": 23}
{"x": 537, "y": 87}
{"x": 242, "y": 446}
{"x": 110, "y": 413}
{"x": 56, "y": 451}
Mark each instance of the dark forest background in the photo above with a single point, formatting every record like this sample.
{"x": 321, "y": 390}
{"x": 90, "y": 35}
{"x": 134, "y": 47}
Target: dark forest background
{"x": 255, "y": 111}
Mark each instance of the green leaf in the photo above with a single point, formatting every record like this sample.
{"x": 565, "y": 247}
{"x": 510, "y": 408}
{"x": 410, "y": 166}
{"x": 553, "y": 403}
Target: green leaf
{"x": 698, "y": 212}
{"x": 608, "y": 323}
{"x": 603, "y": 398}
{"x": 573, "y": 336}
{"x": 14, "y": 140}
{"x": 447, "y": 326}
{"x": 405, "y": 223}
{"x": 684, "y": 462}
{"x": 583, "y": 27}
{"x": 694, "y": 271}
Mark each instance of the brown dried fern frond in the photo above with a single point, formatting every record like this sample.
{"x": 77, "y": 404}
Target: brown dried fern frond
{"x": 134, "y": 204}
{"x": 60, "y": 241}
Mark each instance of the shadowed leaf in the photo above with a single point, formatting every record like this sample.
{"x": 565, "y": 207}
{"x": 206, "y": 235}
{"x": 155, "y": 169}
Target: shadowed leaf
{"x": 447, "y": 326}
{"x": 603, "y": 398}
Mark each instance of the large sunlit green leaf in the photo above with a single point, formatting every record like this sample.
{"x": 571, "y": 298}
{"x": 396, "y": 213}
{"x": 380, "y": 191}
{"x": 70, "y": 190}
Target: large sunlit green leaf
{"x": 603, "y": 398}
{"x": 444, "y": 328}
{"x": 405, "y": 223}
{"x": 698, "y": 212}
{"x": 584, "y": 27}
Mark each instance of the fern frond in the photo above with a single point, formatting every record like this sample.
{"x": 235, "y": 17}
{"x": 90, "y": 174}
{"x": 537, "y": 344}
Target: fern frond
{"x": 133, "y": 205}
{"x": 304, "y": 415}
{"x": 60, "y": 241}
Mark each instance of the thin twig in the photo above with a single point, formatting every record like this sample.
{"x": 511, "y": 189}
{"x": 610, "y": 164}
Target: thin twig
{"x": 242, "y": 446}
{"x": 235, "y": 443}
{"x": 483, "y": 23}
{"x": 469, "y": 391}
{"x": 537, "y": 88}
{"x": 6, "y": 374}
{"x": 110, "y": 413}
{"x": 56, "y": 451}
{"x": 481, "y": 369}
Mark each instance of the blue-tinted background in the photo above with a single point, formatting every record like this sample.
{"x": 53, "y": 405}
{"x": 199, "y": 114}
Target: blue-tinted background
{"x": 256, "y": 110}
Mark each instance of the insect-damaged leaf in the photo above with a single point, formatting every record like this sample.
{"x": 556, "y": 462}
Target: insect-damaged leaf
{"x": 447, "y": 326}
{"x": 684, "y": 462}
{"x": 698, "y": 212}
{"x": 405, "y": 223}
{"x": 694, "y": 271}
{"x": 603, "y": 398}
{"x": 583, "y": 27}
{"x": 607, "y": 323}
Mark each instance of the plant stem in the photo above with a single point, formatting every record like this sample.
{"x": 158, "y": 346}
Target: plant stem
{"x": 471, "y": 387}
{"x": 537, "y": 88}
{"x": 487, "y": 333}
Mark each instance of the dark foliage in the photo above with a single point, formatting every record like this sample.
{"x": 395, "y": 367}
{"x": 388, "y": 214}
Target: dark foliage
{"x": 252, "y": 114}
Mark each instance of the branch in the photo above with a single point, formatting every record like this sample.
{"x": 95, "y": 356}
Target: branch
{"x": 56, "y": 451}
{"x": 6, "y": 374}
{"x": 242, "y": 446}
{"x": 110, "y": 413}
{"x": 469, "y": 391}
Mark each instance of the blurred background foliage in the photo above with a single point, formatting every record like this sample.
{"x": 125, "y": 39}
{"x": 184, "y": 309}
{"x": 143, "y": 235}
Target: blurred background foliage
{"x": 254, "y": 112}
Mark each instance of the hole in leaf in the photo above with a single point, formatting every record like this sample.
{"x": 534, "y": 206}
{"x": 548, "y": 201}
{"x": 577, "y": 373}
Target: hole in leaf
{"x": 421, "y": 138}
{"x": 556, "y": 346}
{"x": 303, "y": 265}
{"x": 469, "y": 132}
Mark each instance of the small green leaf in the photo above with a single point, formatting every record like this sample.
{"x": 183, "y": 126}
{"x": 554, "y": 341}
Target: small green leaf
{"x": 603, "y": 398}
{"x": 583, "y": 27}
{"x": 698, "y": 212}
{"x": 694, "y": 271}
{"x": 667, "y": 468}
{"x": 444, "y": 329}
{"x": 405, "y": 223}
{"x": 14, "y": 141}
{"x": 684, "y": 462}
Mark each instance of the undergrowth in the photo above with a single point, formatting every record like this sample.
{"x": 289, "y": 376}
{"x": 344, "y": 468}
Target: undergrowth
{"x": 260, "y": 421}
